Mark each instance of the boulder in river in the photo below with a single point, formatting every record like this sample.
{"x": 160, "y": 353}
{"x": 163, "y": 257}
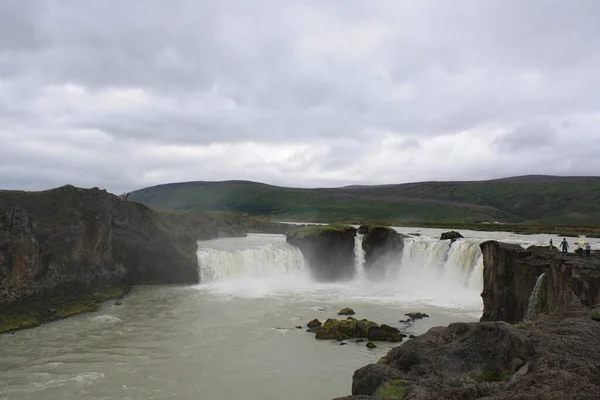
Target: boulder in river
{"x": 329, "y": 250}
{"x": 314, "y": 323}
{"x": 344, "y": 329}
{"x": 371, "y": 345}
{"x": 452, "y": 235}
{"x": 346, "y": 311}
{"x": 382, "y": 245}
{"x": 385, "y": 333}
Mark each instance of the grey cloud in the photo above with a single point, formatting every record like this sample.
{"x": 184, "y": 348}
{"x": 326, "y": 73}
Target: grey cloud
{"x": 323, "y": 75}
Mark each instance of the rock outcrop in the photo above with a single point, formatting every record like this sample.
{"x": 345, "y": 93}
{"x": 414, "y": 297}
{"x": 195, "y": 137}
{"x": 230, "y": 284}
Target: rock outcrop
{"x": 69, "y": 243}
{"x": 511, "y": 272}
{"x": 382, "y": 245}
{"x": 452, "y": 235}
{"x": 555, "y": 357}
{"x": 329, "y": 250}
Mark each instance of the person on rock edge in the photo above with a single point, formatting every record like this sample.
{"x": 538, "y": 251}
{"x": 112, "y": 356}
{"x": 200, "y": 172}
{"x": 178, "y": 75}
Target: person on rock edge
{"x": 564, "y": 245}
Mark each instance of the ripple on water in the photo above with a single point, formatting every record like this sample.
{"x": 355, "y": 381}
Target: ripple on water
{"x": 109, "y": 319}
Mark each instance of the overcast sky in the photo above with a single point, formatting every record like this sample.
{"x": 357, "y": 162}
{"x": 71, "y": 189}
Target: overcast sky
{"x": 132, "y": 93}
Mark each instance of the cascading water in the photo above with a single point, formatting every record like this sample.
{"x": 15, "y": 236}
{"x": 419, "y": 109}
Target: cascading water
{"x": 531, "y": 312}
{"x": 429, "y": 270}
{"x": 460, "y": 262}
{"x": 271, "y": 256}
{"x": 359, "y": 257}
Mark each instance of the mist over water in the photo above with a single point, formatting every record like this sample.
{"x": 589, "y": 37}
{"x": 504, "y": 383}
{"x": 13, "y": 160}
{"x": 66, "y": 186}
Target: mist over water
{"x": 233, "y": 336}
{"x": 429, "y": 272}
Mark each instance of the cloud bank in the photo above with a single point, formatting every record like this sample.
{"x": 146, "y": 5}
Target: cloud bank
{"x": 123, "y": 95}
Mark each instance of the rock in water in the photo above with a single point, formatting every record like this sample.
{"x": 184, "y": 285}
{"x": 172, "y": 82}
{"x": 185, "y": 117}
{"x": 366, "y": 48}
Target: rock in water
{"x": 417, "y": 315}
{"x": 346, "y": 311}
{"x": 452, "y": 235}
{"x": 329, "y": 250}
{"x": 314, "y": 323}
{"x": 385, "y": 333}
{"x": 371, "y": 345}
{"x": 344, "y": 329}
{"x": 382, "y": 245}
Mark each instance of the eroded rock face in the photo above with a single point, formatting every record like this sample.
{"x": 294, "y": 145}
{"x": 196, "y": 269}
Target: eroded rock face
{"x": 556, "y": 357}
{"x": 510, "y": 274}
{"x": 329, "y": 250}
{"x": 382, "y": 245}
{"x": 87, "y": 237}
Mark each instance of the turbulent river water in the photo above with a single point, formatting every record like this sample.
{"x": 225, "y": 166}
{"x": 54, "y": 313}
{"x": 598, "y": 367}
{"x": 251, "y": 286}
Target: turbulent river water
{"x": 234, "y": 336}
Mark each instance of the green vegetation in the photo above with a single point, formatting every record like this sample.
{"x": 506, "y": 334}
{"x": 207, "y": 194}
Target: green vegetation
{"x": 530, "y": 204}
{"x": 494, "y": 376}
{"x": 392, "y": 390}
{"x": 66, "y": 300}
{"x": 596, "y": 316}
{"x": 316, "y": 230}
{"x": 523, "y": 324}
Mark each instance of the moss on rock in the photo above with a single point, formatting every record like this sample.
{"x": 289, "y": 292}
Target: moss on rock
{"x": 63, "y": 302}
{"x": 395, "y": 389}
{"x": 345, "y": 329}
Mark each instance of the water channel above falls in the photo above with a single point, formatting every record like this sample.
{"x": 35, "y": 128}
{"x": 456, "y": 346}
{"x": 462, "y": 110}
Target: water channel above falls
{"x": 234, "y": 336}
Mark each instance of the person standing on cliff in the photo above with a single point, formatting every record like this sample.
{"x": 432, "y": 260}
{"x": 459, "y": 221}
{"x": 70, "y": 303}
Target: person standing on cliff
{"x": 588, "y": 249}
{"x": 564, "y": 245}
{"x": 551, "y": 244}
{"x": 580, "y": 246}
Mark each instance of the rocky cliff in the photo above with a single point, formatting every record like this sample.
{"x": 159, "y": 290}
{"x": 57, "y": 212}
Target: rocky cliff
{"x": 382, "y": 245}
{"x": 66, "y": 245}
{"x": 511, "y": 272}
{"x": 329, "y": 250}
{"x": 554, "y": 358}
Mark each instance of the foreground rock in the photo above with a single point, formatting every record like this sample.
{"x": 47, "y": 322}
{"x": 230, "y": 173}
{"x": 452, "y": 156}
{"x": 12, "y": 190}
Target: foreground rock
{"x": 511, "y": 273}
{"x": 64, "y": 251}
{"x": 329, "y": 250}
{"x": 555, "y": 357}
{"x": 382, "y": 245}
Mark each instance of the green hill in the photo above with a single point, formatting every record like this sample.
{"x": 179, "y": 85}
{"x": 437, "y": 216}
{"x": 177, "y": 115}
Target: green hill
{"x": 527, "y": 199}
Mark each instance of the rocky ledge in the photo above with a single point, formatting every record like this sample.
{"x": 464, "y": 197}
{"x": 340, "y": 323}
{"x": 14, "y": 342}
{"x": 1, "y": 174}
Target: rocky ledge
{"x": 554, "y": 355}
{"x": 64, "y": 251}
{"x": 511, "y": 273}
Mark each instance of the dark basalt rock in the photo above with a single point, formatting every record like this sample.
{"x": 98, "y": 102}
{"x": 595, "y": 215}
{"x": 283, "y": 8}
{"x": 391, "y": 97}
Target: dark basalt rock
{"x": 554, "y": 358}
{"x": 371, "y": 345}
{"x": 385, "y": 333}
{"x": 452, "y": 235}
{"x": 346, "y": 311}
{"x": 417, "y": 315}
{"x": 382, "y": 245}
{"x": 511, "y": 272}
{"x": 329, "y": 250}
{"x": 314, "y": 323}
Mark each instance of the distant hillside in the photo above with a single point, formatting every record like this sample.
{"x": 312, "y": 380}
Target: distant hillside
{"x": 524, "y": 199}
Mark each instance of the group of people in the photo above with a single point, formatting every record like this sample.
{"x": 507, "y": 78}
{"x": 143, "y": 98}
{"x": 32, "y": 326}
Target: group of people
{"x": 581, "y": 246}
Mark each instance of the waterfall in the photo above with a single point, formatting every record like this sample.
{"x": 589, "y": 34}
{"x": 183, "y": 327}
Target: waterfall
{"x": 266, "y": 260}
{"x": 533, "y": 299}
{"x": 460, "y": 262}
{"x": 359, "y": 257}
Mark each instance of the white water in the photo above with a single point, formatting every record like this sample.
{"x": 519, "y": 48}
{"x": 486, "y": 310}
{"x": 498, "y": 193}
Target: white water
{"x": 430, "y": 272}
{"x": 531, "y": 313}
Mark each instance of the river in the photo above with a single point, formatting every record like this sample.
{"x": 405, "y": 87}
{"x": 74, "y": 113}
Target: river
{"x": 234, "y": 336}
